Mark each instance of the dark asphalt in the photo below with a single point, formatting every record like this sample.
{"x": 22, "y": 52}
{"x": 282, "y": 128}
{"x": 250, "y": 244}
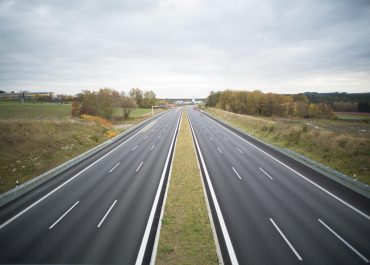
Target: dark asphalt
{"x": 76, "y": 239}
{"x": 272, "y": 214}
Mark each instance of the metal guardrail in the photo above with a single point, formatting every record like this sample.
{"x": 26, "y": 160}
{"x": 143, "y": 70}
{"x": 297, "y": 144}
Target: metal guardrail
{"x": 337, "y": 176}
{"x": 36, "y": 181}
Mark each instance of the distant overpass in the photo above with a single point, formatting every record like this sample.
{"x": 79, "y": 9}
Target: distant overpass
{"x": 185, "y": 101}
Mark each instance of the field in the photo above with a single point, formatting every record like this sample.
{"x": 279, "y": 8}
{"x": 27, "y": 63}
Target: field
{"x": 353, "y": 116}
{"x": 26, "y": 111}
{"x": 37, "y": 137}
{"x": 40, "y": 111}
{"x": 341, "y": 145}
{"x": 136, "y": 115}
{"x": 186, "y": 234}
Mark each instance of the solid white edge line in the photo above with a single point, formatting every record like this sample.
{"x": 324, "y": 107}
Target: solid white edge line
{"x": 144, "y": 242}
{"x": 60, "y": 218}
{"x": 344, "y": 241}
{"x": 225, "y": 233}
{"x": 217, "y": 243}
{"x": 134, "y": 148}
{"x": 300, "y": 175}
{"x": 219, "y": 150}
{"x": 114, "y": 167}
{"x": 236, "y": 172}
{"x": 157, "y": 237}
{"x": 106, "y": 214}
{"x": 266, "y": 173}
{"x": 142, "y": 162}
{"x": 286, "y": 240}
{"x": 65, "y": 183}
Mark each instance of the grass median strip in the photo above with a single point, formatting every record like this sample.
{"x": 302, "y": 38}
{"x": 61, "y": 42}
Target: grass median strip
{"x": 186, "y": 234}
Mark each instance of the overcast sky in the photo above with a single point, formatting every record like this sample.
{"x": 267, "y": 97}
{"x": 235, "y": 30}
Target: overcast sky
{"x": 185, "y": 48}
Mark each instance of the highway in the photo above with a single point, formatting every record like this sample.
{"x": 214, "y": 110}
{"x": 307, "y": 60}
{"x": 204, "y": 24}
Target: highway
{"x": 98, "y": 212}
{"x": 270, "y": 209}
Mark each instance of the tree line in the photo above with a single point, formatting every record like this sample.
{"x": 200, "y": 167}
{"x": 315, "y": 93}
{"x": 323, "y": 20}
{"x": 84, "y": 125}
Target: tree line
{"x": 268, "y": 104}
{"x": 109, "y": 103}
{"x": 351, "y": 102}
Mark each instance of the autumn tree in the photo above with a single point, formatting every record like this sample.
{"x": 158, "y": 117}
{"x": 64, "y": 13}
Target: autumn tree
{"x": 75, "y": 110}
{"x": 300, "y": 105}
{"x": 137, "y": 95}
{"x": 149, "y": 99}
{"x": 89, "y": 103}
{"x": 107, "y": 100}
{"x": 127, "y": 104}
{"x": 345, "y": 106}
{"x": 270, "y": 104}
{"x": 101, "y": 103}
{"x": 212, "y": 99}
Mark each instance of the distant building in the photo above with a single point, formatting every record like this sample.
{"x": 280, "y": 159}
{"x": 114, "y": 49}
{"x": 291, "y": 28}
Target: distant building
{"x": 26, "y": 95}
{"x": 10, "y": 96}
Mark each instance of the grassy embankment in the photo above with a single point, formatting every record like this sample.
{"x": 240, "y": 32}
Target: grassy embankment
{"x": 37, "y": 137}
{"x": 341, "y": 145}
{"x": 186, "y": 234}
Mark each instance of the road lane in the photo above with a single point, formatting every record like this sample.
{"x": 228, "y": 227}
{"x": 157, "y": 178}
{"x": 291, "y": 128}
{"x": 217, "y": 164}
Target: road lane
{"x": 251, "y": 201}
{"x": 123, "y": 196}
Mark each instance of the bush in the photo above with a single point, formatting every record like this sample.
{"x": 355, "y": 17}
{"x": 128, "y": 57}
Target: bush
{"x": 111, "y": 133}
{"x": 96, "y": 119}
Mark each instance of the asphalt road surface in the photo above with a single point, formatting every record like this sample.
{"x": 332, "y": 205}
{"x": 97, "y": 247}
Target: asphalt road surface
{"x": 98, "y": 212}
{"x": 270, "y": 209}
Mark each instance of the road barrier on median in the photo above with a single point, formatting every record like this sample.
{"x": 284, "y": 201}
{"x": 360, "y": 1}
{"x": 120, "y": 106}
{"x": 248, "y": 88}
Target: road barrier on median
{"x": 326, "y": 171}
{"x": 37, "y": 181}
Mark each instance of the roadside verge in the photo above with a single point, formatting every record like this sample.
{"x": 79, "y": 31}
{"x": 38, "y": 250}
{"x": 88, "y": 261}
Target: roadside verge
{"x": 37, "y": 181}
{"x": 329, "y": 173}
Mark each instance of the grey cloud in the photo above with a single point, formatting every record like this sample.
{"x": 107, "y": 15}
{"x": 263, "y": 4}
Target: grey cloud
{"x": 185, "y": 47}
